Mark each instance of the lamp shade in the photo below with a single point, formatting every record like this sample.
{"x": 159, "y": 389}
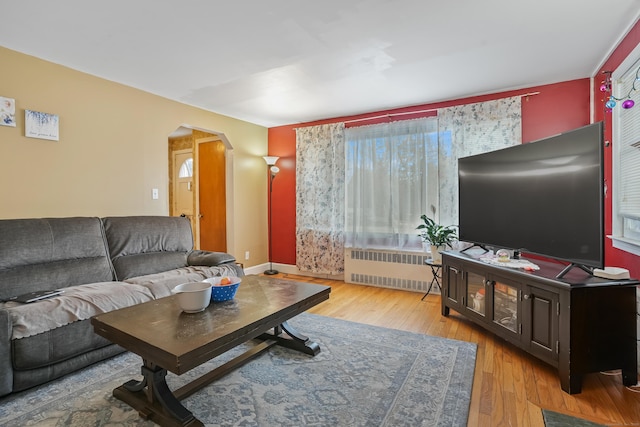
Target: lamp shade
{"x": 271, "y": 160}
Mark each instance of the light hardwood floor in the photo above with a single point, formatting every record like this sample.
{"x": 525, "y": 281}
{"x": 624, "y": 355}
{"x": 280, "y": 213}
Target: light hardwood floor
{"x": 509, "y": 387}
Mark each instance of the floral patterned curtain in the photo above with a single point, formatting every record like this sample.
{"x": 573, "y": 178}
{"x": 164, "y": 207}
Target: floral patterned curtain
{"x": 320, "y": 172}
{"x": 465, "y": 130}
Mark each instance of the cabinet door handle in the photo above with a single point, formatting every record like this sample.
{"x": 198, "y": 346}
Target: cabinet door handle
{"x": 526, "y": 296}
{"x": 489, "y": 282}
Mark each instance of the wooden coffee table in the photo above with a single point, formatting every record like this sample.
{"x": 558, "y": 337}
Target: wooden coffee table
{"x": 169, "y": 340}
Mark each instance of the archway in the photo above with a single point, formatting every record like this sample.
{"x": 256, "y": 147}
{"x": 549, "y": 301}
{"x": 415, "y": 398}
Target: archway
{"x": 201, "y": 185}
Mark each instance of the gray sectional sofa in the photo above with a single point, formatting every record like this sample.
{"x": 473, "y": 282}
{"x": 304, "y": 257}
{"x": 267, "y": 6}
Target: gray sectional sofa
{"x": 101, "y": 264}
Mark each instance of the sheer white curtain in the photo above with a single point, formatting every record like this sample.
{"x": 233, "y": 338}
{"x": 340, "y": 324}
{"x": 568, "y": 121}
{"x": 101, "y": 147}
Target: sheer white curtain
{"x": 391, "y": 179}
{"x": 465, "y": 130}
{"x": 320, "y": 199}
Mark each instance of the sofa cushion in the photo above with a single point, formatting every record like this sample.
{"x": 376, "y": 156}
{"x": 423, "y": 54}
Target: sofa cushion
{"x": 149, "y": 263}
{"x": 27, "y": 378}
{"x": 198, "y": 257}
{"x": 50, "y": 253}
{"x": 55, "y": 345}
{"x": 141, "y": 245}
{"x": 76, "y": 303}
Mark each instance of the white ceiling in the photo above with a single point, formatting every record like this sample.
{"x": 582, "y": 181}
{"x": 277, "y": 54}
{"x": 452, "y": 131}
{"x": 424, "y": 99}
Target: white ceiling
{"x": 276, "y": 62}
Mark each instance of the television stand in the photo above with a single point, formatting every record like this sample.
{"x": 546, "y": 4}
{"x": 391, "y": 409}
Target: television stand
{"x": 578, "y": 324}
{"x": 586, "y": 269}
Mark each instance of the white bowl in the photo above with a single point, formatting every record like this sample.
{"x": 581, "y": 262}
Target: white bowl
{"x": 193, "y": 297}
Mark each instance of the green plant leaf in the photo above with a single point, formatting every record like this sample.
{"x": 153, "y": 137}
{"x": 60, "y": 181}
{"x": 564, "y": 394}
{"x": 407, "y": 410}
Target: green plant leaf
{"x": 436, "y": 234}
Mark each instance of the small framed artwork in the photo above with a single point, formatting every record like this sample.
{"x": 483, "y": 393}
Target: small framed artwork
{"x": 41, "y": 125}
{"x": 7, "y": 111}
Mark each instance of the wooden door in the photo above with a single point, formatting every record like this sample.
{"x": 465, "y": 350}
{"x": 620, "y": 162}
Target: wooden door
{"x": 451, "y": 283}
{"x": 212, "y": 196}
{"x": 541, "y": 318}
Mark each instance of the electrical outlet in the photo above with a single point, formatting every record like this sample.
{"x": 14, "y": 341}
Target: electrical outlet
{"x": 246, "y": 255}
{"x": 154, "y": 194}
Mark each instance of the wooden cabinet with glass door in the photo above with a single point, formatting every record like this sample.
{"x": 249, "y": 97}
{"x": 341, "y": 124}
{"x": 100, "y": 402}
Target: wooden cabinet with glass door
{"x": 578, "y": 324}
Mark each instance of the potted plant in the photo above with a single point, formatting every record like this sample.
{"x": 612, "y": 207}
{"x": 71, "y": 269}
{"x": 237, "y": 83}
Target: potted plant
{"x": 438, "y": 236}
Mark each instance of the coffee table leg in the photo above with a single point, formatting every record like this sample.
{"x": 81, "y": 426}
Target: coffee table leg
{"x": 295, "y": 341}
{"x": 153, "y": 399}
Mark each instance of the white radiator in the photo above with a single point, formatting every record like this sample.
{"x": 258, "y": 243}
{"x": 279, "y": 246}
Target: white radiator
{"x": 400, "y": 270}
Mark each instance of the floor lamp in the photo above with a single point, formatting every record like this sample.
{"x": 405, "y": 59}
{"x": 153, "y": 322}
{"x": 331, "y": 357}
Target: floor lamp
{"x": 271, "y": 171}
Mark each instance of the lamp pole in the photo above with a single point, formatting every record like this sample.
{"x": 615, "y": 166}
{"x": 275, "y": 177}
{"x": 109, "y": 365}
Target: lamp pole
{"x": 272, "y": 170}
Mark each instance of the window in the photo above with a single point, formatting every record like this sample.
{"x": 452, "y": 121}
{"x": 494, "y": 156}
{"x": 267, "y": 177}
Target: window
{"x": 391, "y": 177}
{"x": 186, "y": 169}
{"x": 396, "y": 172}
{"x": 626, "y": 158}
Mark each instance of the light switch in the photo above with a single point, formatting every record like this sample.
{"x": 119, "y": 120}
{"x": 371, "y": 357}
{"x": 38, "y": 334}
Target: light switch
{"x": 154, "y": 194}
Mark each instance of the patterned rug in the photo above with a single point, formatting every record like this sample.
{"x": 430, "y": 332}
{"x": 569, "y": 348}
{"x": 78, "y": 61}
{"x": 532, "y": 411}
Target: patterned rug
{"x": 555, "y": 419}
{"x": 364, "y": 376}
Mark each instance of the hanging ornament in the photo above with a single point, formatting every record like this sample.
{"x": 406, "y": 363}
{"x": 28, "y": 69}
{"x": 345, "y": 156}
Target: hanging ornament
{"x": 627, "y": 102}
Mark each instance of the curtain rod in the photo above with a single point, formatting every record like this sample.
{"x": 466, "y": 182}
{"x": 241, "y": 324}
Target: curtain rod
{"x": 416, "y": 112}
{"x": 390, "y": 115}
{"x": 364, "y": 119}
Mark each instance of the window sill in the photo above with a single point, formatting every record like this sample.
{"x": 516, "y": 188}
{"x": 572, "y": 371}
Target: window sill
{"x": 627, "y": 245}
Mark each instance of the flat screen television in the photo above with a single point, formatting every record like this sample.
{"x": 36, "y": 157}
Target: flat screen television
{"x": 544, "y": 197}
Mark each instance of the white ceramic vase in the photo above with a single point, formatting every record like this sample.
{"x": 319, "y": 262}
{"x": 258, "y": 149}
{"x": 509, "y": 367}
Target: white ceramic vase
{"x": 435, "y": 253}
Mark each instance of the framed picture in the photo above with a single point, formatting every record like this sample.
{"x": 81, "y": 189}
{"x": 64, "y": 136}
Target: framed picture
{"x": 41, "y": 125}
{"x": 7, "y": 111}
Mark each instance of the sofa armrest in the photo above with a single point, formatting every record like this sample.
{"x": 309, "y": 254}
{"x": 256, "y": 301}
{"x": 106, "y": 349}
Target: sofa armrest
{"x": 208, "y": 258}
{"x": 6, "y": 367}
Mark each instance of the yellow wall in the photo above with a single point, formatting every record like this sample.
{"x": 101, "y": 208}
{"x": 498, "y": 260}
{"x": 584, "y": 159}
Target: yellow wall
{"x": 113, "y": 151}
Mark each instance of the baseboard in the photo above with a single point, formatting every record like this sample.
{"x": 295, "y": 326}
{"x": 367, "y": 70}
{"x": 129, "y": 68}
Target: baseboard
{"x": 289, "y": 269}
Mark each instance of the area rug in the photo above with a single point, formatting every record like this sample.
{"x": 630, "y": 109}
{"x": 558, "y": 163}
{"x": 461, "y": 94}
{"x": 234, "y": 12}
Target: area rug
{"x": 364, "y": 376}
{"x": 556, "y": 419}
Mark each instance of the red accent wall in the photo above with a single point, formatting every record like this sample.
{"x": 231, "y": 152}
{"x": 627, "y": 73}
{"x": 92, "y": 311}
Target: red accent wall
{"x": 614, "y": 257}
{"x": 282, "y": 143}
{"x": 557, "y": 108}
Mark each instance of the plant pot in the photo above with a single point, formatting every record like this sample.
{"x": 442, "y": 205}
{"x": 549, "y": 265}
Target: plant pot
{"x": 435, "y": 253}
